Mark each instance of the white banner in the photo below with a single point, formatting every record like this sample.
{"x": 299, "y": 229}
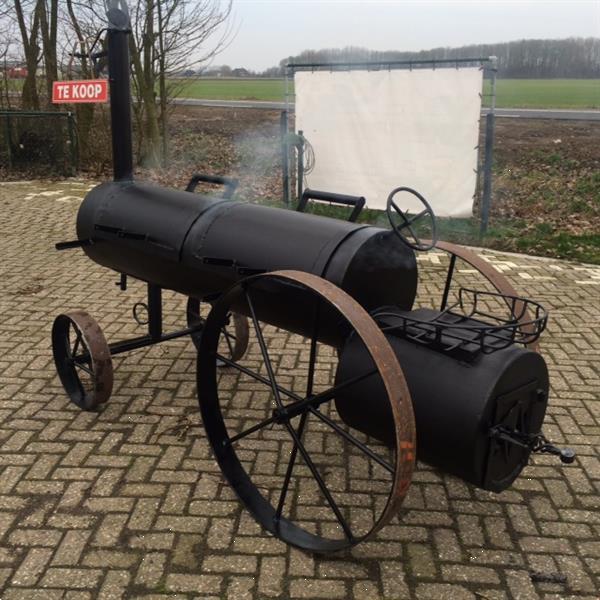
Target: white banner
{"x": 373, "y": 131}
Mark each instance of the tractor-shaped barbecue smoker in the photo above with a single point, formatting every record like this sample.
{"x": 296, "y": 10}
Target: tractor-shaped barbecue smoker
{"x": 316, "y": 412}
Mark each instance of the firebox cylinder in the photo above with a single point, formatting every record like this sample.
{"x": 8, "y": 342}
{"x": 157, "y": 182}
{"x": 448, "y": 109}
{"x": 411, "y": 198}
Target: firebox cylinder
{"x": 458, "y": 406}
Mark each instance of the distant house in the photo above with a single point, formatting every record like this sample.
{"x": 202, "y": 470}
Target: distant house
{"x": 240, "y": 72}
{"x": 16, "y": 72}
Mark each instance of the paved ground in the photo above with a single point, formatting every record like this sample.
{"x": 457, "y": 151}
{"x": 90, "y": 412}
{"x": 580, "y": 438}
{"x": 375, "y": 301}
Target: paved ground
{"x": 125, "y": 503}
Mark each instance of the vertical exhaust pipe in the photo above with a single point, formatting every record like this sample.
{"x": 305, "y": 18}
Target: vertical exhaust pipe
{"x": 119, "y": 28}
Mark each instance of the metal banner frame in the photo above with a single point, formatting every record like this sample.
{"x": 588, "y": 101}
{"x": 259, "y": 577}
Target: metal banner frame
{"x": 488, "y": 65}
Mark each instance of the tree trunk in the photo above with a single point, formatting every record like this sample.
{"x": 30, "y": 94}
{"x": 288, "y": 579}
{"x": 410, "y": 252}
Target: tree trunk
{"x": 29, "y": 96}
{"x": 162, "y": 88}
{"x": 150, "y": 133}
{"x": 49, "y": 38}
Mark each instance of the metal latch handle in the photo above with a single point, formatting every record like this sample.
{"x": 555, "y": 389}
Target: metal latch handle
{"x": 535, "y": 442}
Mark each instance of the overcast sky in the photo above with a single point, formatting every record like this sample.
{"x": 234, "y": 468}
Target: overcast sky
{"x": 269, "y": 30}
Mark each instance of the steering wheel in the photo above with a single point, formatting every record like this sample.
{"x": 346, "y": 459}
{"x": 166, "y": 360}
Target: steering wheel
{"x": 410, "y": 238}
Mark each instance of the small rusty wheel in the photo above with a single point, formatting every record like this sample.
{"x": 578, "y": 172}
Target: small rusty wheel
{"x": 304, "y": 474}
{"x": 82, "y": 359}
{"x": 235, "y": 330}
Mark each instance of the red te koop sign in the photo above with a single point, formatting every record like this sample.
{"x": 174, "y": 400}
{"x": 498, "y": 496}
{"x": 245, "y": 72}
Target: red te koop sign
{"x": 72, "y": 92}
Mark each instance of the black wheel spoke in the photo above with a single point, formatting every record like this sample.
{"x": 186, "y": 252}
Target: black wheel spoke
{"x": 263, "y": 349}
{"x": 251, "y": 430}
{"x": 290, "y": 468}
{"x": 78, "y": 341}
{"x": 258, "y": 377}
{"x": 83, "y": 368}
{"x": 316, "y": 401}
{"x": 348, "y": 436}
{"x": 309, "y": 388}
{"x": 324, "y": 489}
{"x": 229, "y": 335}
{"x": 229, "y": 344}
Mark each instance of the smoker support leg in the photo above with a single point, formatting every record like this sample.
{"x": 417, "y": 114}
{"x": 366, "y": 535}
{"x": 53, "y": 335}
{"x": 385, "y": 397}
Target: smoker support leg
{"x": 154, "y": 312}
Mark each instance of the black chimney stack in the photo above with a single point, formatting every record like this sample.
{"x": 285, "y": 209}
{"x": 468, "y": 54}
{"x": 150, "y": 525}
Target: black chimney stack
{"x": 120, "y": 88}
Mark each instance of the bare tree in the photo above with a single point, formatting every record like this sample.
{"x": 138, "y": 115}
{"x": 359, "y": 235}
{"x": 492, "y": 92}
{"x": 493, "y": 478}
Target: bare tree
{"x": 170, "y": 36}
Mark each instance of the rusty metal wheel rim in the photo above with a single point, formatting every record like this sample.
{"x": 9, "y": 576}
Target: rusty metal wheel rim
{"x": 223, "y": 443}
{"x": 237, "y": 340}
{"x": 499, "y": 281}
{"x": 87, "y": 356}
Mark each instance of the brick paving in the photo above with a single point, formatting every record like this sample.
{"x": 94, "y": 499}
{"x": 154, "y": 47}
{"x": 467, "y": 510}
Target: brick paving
{"x": 127, "y": 502}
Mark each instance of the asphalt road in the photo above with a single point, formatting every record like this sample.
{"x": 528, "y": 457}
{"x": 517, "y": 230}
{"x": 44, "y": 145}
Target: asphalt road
{"x": 516, "y": 113}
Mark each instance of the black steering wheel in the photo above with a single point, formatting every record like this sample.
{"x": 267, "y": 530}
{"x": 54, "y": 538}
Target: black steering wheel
{"x": 409, "y": 237}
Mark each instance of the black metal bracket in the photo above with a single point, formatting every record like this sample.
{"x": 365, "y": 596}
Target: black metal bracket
{"x": 122, "y": 283}
{"x": 73, "y": 244}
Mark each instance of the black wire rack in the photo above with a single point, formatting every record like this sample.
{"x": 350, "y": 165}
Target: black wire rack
{"x": 467, "y": 327}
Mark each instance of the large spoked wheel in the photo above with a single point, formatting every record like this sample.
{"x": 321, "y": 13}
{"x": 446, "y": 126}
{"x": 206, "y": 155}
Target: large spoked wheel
{"x": 405, "y": 226}
{"x": 271, "y": 419}
{"x": 235, "y": 330}
{"x": 82, "y": 359}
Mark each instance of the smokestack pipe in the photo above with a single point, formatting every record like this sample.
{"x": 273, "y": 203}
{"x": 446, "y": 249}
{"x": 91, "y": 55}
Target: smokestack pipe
{"x": 120, "y": 88}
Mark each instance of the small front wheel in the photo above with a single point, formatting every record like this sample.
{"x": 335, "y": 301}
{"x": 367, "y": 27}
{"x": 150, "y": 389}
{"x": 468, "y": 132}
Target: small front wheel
{"x": 82, "y": 359}
{"x": 235, "y": 329}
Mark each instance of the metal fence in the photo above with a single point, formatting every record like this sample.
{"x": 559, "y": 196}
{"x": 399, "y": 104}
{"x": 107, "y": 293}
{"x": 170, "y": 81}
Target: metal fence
{"x": 38, "y": 139}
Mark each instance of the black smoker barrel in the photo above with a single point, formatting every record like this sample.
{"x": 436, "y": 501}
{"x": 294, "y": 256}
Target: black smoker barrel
{"x": 478, "y": 398}
{"x": 200, "y": 246}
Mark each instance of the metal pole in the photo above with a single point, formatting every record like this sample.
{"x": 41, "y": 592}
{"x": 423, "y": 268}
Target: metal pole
{"x": 285, "y": 164}
{"x": 300, "y": 163}
{"x": 489, "y": 151}
{"x": 120, "y": 90}
{"x": 154, "y": 311}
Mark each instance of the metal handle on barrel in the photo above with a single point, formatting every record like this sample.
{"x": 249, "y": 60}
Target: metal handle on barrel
{"x": 358, "y": 202}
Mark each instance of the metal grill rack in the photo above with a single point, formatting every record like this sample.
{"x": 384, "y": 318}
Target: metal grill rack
{"x": 467, "y": 328}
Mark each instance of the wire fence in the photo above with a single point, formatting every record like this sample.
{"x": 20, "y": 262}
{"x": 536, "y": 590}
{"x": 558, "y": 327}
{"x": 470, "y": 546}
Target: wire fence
{"x": 39, "y": 140}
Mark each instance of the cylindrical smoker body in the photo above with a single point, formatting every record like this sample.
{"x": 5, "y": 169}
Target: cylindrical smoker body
{"x": 197, "y": 245}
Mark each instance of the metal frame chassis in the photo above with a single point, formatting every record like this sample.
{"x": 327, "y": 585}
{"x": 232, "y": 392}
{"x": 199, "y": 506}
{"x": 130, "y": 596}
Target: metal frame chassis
{"x": 155, "y": 333}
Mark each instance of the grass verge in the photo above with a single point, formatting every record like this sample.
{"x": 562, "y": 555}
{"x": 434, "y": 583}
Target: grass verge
{"x": 511, "y": 93}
